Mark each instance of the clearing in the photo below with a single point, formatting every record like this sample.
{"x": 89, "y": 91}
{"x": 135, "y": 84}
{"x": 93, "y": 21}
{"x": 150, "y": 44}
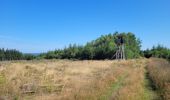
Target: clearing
{"x": 75, "y": 80}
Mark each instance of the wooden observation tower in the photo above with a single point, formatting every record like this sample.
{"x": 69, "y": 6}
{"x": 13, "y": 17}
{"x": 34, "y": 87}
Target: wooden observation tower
{"x": 120, "y": 52}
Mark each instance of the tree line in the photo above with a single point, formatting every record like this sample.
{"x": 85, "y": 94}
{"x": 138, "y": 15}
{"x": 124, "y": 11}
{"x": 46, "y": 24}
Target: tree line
{"x": 12, "y": 54}
{"x": 158, "y": 51}
{"x": 103, "y": 47}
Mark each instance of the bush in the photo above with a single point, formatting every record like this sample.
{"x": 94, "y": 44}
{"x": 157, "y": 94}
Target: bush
{"x": 29, "y": 57}
{"x": 158, "y": 51}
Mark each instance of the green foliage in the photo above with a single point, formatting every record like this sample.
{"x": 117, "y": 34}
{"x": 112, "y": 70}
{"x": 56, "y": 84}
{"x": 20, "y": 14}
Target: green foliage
{"x": 158, "y": 51}
{"x": 102, "y": 48}
{"x": 10, "y": 54}
{"x": 133, "y": 45}
{"x": 41, "y": 56}
{"x": 50, "y": 55}
{"x": 29, "y": 57}
{"x": 88, "y": 51}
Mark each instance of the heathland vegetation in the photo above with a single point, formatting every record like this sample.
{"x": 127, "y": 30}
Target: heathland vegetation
{"x": 159, "y": 74}
{"x": 91, "y": 74}
{"x": 74, "y": 80}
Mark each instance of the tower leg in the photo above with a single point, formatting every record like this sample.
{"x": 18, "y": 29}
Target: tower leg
{"x": 123, "y": 50}
{"x": 120, "y": 53}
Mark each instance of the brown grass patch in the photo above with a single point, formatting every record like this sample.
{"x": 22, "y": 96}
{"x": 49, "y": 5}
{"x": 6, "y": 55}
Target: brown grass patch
{"x": 73, "y": 80}
{"x": 159, "y": 73}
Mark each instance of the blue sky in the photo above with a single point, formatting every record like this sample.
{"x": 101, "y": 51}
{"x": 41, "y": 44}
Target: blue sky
{"x": 42, "y": 25}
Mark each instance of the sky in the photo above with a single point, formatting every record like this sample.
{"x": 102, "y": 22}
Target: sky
{"x": 35, "y": 26}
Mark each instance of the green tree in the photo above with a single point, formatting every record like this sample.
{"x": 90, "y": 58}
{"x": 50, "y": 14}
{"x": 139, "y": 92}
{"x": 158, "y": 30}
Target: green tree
{"x": 29, "y": 57}
{"x": 103, "y": 47}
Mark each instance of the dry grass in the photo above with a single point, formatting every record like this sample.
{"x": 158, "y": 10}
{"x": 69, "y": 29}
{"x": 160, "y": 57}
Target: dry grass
{"x": 73, "y": 80}
{"x": 55, "y": 79}
{"x": 134, "y": 86}
{"x": 159, "y": 73}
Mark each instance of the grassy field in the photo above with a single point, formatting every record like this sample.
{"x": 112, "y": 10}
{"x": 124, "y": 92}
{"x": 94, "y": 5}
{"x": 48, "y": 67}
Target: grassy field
{"x": 159, "y": 73}
{"x": 79, "y": 80}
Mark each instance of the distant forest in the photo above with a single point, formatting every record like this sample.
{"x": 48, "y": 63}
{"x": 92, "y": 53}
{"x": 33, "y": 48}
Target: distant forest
{"x": 103, "y": 47}
{"x": 12, "y": 54}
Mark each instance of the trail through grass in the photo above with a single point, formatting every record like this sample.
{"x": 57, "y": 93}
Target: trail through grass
{"x": 159, "y": 76}
{"x": 76, "y": 80}
{"x": 114, "y": 87}
{"x": 132, "y": 85}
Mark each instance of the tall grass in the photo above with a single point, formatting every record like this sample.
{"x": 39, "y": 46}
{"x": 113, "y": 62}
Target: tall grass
{"x": 159, "y": 73}
{"x": 74, "y": 80}
{"x": 134, "y": 85}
